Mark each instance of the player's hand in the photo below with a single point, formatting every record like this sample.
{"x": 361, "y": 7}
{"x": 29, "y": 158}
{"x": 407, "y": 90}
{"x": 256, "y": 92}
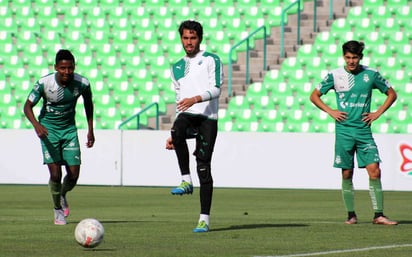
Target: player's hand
{"x": 369, "y": 117}
{"x": 169, "y": 144}
{"x": 186, "y": 103}
{"x": 338, "y": 115}
{"x": 90, "y": 140}
{"x": 41, "y": 131}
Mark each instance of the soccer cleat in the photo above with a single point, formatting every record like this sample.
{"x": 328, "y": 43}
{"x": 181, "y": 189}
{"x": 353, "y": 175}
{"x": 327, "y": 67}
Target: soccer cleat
{"x": 65, "y": 206}
{"x": 183, "y": 188}
{"x": 201, "y": 227}
{"x": 59, "y": 217}
{"x": 383, "y": 220}
{"x": 352, "y": 221}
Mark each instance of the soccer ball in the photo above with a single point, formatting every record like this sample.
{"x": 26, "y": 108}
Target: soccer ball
{"x": 89, "y": 233}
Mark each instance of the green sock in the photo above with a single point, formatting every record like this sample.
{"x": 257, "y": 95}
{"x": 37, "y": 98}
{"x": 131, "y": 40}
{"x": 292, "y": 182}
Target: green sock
{"x": 348, "y": 195}
{"x": 375, "y": 191}
{"x": 55, "y": 190}
{"x": 68, "y": 185}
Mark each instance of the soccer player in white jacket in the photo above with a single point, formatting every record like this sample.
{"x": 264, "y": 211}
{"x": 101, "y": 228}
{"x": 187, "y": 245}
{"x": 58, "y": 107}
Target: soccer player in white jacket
{"x": 197, "y": 79}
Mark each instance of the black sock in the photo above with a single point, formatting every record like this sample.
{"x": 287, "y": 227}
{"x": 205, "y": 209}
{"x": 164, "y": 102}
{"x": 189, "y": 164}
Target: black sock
{"x": 351, "y": 214}
{"x": 378, "y": 214}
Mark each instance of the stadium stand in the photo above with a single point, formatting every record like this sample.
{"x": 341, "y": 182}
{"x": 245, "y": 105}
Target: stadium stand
{"x": 126, "y": 54}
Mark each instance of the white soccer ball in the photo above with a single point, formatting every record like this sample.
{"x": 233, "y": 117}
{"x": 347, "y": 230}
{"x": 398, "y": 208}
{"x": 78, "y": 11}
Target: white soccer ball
{"x": 89, "y": 233}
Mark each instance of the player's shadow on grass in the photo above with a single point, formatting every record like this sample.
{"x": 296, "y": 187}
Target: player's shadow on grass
{"x": 408, "y": 222}
{"x": 257, "y": 226}
{"x": 116, "y": 221}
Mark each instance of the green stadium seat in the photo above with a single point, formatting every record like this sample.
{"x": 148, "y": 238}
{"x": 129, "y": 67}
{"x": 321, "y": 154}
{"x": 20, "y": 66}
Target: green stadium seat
{"x": 272, "y": 77}
{"x": 266, "y": 127}
{"x": 312, "y": 65}
{"x": 199, "y": 3}
{"x": 381, "y": 128}
{"x": 242, "y": 115}
{"x": 294, "y": 9}
{"x": 380, "y": 11}
{"x": 373, "y": 38}
{"x": 297, "y": 79}
{"x": 110, "y": 4}
{"x": 362, "y": 26}
{"x": 340, "y": 25}
{"x": 225, "y": 126}
{"x": 387, "y": 25}
{"x": 327, "y": 127}
{"x": 223, "y": 115}
{"x": 270, "y": 116}
{"x": 183, "y": 13}
{"x": 306, "y": 50}
{"x": 356, "y": 13}
{"x": 238, "y": 102}
{"x": 45, "y": 12}
{"x": 5, "y": 12}
{"x": 403, "y": 12}
{"x": 246, "y": 3}
{"x": 372, "y": 3}
{"x": 397, "y": 38}
{"x": 305, "y": 89}
{"x": 280, "y": 90}
{"x": 270, "y": 3}
{"x": 76, "y": 24}
{"x": 22, "y": 8}
{"x": 256, "y": 89}
{"x": 51, "y": 25}
{"x": 89, "y": 4}
{"x": 275, "y": 16}
{"x": 133, "y": 3}
{"x": 345, "y": 36}
{"x": 394, "y": 4}
{"x": 259, "y": 103}
{"x": 379, "y": 50}
{"x": 323, "y": 39}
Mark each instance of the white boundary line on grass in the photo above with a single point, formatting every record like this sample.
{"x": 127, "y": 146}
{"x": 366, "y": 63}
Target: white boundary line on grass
{"x": 342, "y": 251}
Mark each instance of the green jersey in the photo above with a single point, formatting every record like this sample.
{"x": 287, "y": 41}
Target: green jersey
{"x": 353, "y": 93}
{"x": 59, "y": 103}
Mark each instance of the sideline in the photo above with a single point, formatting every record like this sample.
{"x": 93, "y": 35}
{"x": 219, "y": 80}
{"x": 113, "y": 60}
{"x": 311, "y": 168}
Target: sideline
{"x": 341, "y": 251}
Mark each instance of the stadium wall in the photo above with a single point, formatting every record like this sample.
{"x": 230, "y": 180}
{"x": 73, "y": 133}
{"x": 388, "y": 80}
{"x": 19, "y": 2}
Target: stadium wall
{"x": 241, "y": 159}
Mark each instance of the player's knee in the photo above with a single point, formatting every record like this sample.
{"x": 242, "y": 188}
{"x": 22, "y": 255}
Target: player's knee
{"x": 178, "y": 133}
{"x": 205, "y": 175}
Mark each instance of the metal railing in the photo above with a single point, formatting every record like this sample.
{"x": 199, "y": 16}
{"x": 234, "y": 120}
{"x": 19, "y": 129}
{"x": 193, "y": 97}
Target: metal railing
{"x": 245, "y": 40}
{"x": 282, "y": 29}
{"x": 137, "y": 116}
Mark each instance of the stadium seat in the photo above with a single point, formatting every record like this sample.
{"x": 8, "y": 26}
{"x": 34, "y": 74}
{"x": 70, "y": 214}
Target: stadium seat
{"x": 256, "y": 89}
{"x": 242, "y": 115}
{"x": 273, "y": 77}
{"x": 340, "y": 25}
{"x": 356, "y": 13}
{"x": 323, "y": 39}
{"x": 372, "y": 3}
{"x": 258, "y": 103}
{"x": 362, "y": 26}
{"x": 238, "y": 102}
{"x": 270, "y": 116}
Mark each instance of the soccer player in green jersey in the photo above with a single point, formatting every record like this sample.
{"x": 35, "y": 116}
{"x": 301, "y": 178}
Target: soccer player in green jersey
{"x": 353, "y": 85}
{"x": 56, "y": 126}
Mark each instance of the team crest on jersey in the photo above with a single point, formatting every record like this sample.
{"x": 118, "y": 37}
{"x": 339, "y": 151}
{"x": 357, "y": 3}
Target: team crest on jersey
{"x": 365, "y": 77}
{"x": 76, "y": 92}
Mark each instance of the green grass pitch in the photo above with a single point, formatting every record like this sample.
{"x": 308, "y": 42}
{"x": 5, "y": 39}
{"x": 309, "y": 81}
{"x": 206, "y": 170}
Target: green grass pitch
{"x": 150, "y": 222}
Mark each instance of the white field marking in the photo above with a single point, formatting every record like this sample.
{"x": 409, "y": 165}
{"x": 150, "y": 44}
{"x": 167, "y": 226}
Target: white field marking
{"x": 342, "y": 251}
